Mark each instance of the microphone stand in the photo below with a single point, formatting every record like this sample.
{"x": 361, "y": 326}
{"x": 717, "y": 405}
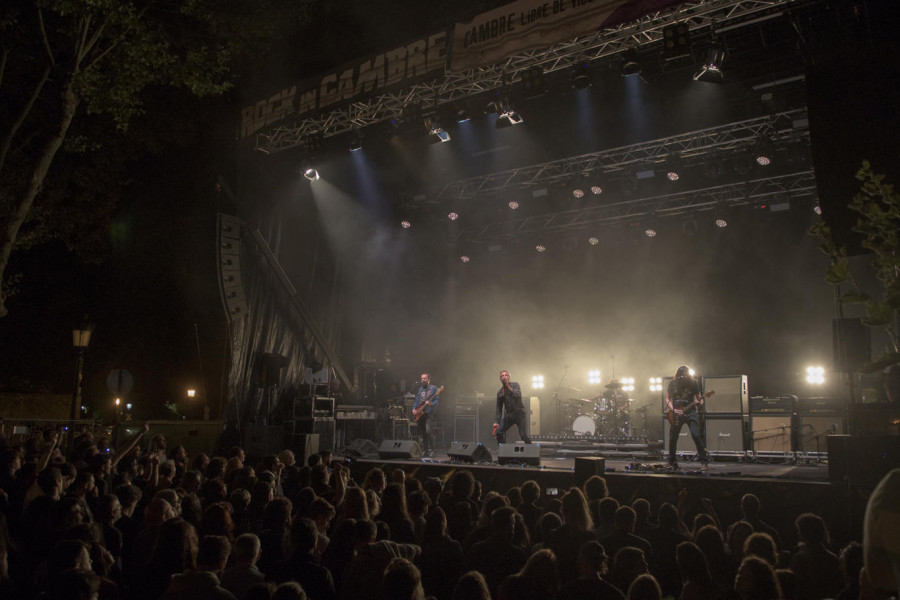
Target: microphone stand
{"x": 556, "y": 400}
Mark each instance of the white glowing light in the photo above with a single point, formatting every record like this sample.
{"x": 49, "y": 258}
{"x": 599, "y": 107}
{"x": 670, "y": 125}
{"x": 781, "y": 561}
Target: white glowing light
{"x": 464, "y": 258}
{"x": 594, "y": 376}
{"x": 537, "y": 382}
{"x": 593, "y": 241}
{"x": 453, "y": 216}
{"x": 596, "y": 190}
{"x": 721, "y": 223}
{"x": 540, "y": 248}
{"x": 405, "y": 224}
{"x": 578, "y": 193}
{"x": 815, "y": 375}
{"x": 656, "y": 384}
{"x": 627, "y": 384}
{"x": 513, "y": 204}
{"x": 817, "y": 209}
{"x": 650, "y": 232}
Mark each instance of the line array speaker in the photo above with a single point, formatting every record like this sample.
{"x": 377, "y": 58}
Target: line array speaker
{"x": 229, "y": 254}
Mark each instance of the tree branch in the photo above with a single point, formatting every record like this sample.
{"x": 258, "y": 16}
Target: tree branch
{"x": 15, "y": 125}
{"x": 44, "y": 39}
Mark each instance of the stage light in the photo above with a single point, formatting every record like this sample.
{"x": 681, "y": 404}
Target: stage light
{"x": 674, "y": 168}
{"x": 540, "y": 248}
{"x": 453, "y": 216}
{"x": 578, "y": 192}
{"x": 533, "y": 81}
{"x": 507, "y": 115}
{"x": 355, "y": 141}
{"x": 596, "y": 190}
{"x": 631, "y": 66}
{"x": 128, "y": 406}
{"x": 191, "y": 393}
{"x": 721, "y": 223}
{"x": 762, "y": 153}
{"x": 594, "y": 377}
{"x": 627, "y": 384}
{"x": 817, "y": 209}
{"x": 650, "y": 232}
{"x": 711, "y": 69}
{"x": 433, "y": 126}
{"x": 463, "y": 114}
{"x": 537, "y": 382}
{"x": 656, "y": 384}
{"x": 815, "y": 375}
{"x": 593, "y": 241}
{"x": 311, "y": 173}
{"x": 513, "y": 204}
{"x": 691, "y": 371}
{"x": 405, "y": 224}
{"x": 580, "y": 78}
{"x": 464, "y": 258}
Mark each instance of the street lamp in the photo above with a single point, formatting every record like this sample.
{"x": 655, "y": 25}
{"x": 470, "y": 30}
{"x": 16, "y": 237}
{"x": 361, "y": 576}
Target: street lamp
{"x": 81, "y": 337}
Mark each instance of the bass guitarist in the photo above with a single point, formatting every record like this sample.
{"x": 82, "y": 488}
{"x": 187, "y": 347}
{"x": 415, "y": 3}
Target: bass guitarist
{"x": 427, "y": 399}
{"x": 684, "y": 401}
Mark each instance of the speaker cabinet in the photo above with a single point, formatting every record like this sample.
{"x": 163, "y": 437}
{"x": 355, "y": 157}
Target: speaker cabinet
{"x": 534, "y": 423}
{"x": 852, "y": 344}
{"x": 731, "y": 394}
{"x": 588, "y": 466}
{"x": 231, "y": 288}
{"x": 469, "y": 452}
{"x": 771, "y": 432}
{"x": 323, "y": 427}
{"x": 519, "y": 454}
{"x": 813, "y": 429}
{"x": 727, "y": 434}
{"x": 685, "y": 442}
{"x": 392, "y": 449}
{"x": 861, "y": 460}
{"x": 304, "y": 445}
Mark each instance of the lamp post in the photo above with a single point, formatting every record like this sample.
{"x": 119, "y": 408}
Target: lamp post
{"x": 81, "y": 337}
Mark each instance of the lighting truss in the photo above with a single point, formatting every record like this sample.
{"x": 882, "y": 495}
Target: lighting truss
{"x": 795, "y": 186}
{"x": 691, "y": 147}
{"x": 700, "y": 15}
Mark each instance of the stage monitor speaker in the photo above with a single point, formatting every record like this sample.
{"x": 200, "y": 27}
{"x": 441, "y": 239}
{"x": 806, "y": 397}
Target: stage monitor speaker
{"x": 469, "y": 452}
{"x": 851, "y": 344}
{"x": 726, "y": 434}
{"x": 588, "y": 466}
{"x": 862, "y": 460}
{"x": 392, "y": 449}
{"x": 519, "y": 454}
{"x": 534, "y": 425}
{"x": 813, "y": 429}
{"x": 731, "y": 394}
{"x": 771, "y": 432}
{"x": 685, "y": 442}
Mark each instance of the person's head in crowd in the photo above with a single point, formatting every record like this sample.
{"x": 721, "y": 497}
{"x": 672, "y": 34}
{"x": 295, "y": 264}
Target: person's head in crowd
{"x": 108, "y": 509}
{"x": 68, "y": 554}
{"x": 374, "y": 502}
{"x": 542, "y": 567}
{"x": 434, "y": 487}
{"x": 100, "y": 465}
{"x": 514, "y": 495}
{"x": 177, "y": 454}
{"x": 503, "y": 522}
{"x": 492, "y": 502}
{"x": 217, "y": 521}
{"x": 322, "y": 512}
{"x": 575, "y": 511}
{"x": 190, "y": 482}
{"x": 289, "y": 590}
{"x": 212, "y": 553}
{"x": 411, "y": 484}
{"x": 129, "y": 495}
{"x": 200, "y": 462}
{"x": 628, "y": 563}
{"x": 762, "y": 545}
{"x": 787, "y": 581}
{"x": 327, "y": 457}
{"x": 267, "y": 477}
{"x": 236, "y": 452}
{"x": 692, "y": 565}
{"x": 68, "y": 512}
{"x": 644, "y": 587}
{"x": 384, "y": 531}
{"x": 756, "y": 580}
{"x": 304, "y": 536}
{"x": 435, "y": 523}
{"x": 213, "y": 490}
{"x": 554, "y": 505}
{"x": 393, "y": 503}
{"x": 398, "y": 475}
{"x": 270, "y": 462}
{"x": 157, "y": 512}
{"x": 158, "y": 444}
{"x": 313, "y": 459}
{"x": 246, "y": 550}
{"x": 364, "y": 533}
{"x": 355, "y": 504}
{"x": 192, "y": 509}
{"x": 737, "y": 535}
{"x": 68, "y": 472}
{"x": 521, "y": 535}
{"x": 701, "y": 520}
{"x": 606, "y": 509}
{"x": 547, "y": 524}
{"x": 709, "y": 539}
{"x": 244, "y": 478}
{"x": 260, "y": 494}
{"x": 530, "y": 491}
{"x": 592, "y": 561}
{"x": 277, "y": 514}
{"x": 462, "y": 485}
{"x": 319, "y": 475}
{"x": 851, "y": 561}
{"x": 50, "y": 481}
{"x": 402, "y": 581}
{"x": 750, "y": 506}
{"x": 262, "y": 590}
{"x": 811, "y": 530}
{"x": 287, "y": 458}
{"x": 641, "y": 509}
{"x": 303, "y": 499}
{"x": 73, "y": 584}
{"x": 240, "y": 500}
{"x": 83, "y": 486}
{"x": 667, "y": 516}
{"x": 471, "y": 586}
{"x": 232, "y": 466}
{"x": 171, "y": 496}
{"x": 418, "y": 502}
{"x": 176, "y": 547}
{"x": 215, "y": 468}
{"x": 595, "y": 488}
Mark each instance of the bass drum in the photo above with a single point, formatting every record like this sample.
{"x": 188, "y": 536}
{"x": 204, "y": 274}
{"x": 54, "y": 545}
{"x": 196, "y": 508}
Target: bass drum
{"x": 584, "y": 425}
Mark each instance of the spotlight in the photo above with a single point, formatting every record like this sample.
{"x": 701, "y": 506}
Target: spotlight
{"x": 533, "y": 81}
{"x": 711, "y": 69}
{"x": 355, "y": 141}
{"x": 656, "y": 384}
{"x": 433, "y": 126}
{"x": 537, "y": 382}
{"x": 596, "y": 190}
{"x": 453, "y": 216}
{"x": 580, "y": 78}
{"x": 513, "y": 204}
{"x": 650, "y": 232}
{"x": 463, "y": 114}
{"x": 540, "y": 248}
{"x": 721, "y": 223}
{"x": 817, "y": 209}
{"x": 405, "y": 224}
{"x": 593, "y": 241}
{"x": 673, "y": 168}
{"x": 594, "y": 377}
{"x": 310, "y": 173}
{"x": 507, "y": 116}
{"x": 762, "y": 152}
{"x": 631, "y": 66}
{"x": 464, "y": 258}
{"x": 815, "y": 375}
{"x": 578, "y": 192}
{"x": 627, "y": 384}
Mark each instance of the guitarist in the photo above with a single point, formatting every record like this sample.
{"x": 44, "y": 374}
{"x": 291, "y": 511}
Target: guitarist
{"x": 509, "y": 399}
{"x": 427, "y": 398}
{"x": 684, "y": 400}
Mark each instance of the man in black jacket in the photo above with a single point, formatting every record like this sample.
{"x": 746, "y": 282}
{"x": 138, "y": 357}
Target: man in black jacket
{"x": 509, "y": 397}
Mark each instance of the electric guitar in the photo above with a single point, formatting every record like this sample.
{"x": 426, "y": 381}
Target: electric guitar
{"x": 418, "y": 412}
{"x": 674, "y": 419}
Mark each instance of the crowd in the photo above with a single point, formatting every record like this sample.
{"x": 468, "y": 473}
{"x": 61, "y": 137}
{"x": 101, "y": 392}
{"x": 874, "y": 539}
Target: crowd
{"x": 149, "y": 522}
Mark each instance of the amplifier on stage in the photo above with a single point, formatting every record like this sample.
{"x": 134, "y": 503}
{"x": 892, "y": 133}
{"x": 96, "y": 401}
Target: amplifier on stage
{"x": 782, "y": 405}
{"x": 810, "y": 406}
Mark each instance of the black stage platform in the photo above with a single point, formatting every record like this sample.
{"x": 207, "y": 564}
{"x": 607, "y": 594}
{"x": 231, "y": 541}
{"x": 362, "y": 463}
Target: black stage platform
{"x": 786, "y": 485}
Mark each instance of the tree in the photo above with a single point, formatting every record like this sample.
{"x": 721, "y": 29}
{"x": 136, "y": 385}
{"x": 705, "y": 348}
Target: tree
{"x": 68, "y": 61}
{"x": 878, "y": 207}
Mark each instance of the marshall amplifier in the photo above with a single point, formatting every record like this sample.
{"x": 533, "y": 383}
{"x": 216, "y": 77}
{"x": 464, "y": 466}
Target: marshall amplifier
{"x": 811, "y": 406}
{"x": 782, "y": 405}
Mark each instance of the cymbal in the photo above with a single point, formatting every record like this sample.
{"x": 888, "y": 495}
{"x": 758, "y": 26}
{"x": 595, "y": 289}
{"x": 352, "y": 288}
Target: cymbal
{"x": 613, "y": 385}
{"x": 409, "y": 395}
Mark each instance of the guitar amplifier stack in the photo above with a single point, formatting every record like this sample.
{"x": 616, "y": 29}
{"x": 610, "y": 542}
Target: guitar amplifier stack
{"x": 772, "y": 424}
{"x": 727, "y": 422}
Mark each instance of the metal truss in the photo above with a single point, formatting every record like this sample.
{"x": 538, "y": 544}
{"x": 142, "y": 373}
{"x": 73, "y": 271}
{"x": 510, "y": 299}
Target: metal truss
{"x": 453, "y": 87}
{"x": 792, "y": 187}
{"x": 780, "y": 129}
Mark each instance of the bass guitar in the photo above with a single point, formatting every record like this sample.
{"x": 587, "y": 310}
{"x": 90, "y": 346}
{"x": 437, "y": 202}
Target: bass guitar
{"x": 418, "y": 412}
{"x": 674, "y": 419}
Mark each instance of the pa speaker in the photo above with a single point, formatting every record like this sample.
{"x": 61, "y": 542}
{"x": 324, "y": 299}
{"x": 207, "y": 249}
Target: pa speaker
{"x": 391, "y": 449}
{"x": 229, "y": 253}
{"x": 519, "y": 454}
{"x": 852, "y": 343}
{"x": 588, "y": 466}
{"x": 469, "y": 452}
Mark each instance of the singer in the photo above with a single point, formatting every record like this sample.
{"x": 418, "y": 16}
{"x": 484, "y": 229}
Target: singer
{"x": 509, "y": 398}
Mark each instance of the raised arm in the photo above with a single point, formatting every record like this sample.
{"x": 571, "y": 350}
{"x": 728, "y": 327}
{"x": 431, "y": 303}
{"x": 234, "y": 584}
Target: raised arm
{"x": 129, "y": 446}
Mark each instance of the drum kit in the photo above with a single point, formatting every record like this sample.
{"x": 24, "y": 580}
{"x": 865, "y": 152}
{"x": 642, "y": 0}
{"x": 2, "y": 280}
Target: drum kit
{"x": 607, "y": 414}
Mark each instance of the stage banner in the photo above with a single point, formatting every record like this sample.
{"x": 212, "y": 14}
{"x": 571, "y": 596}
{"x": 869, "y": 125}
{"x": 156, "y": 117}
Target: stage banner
{"x": 529, "y": 24}
{"x": 399, "y": 68}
